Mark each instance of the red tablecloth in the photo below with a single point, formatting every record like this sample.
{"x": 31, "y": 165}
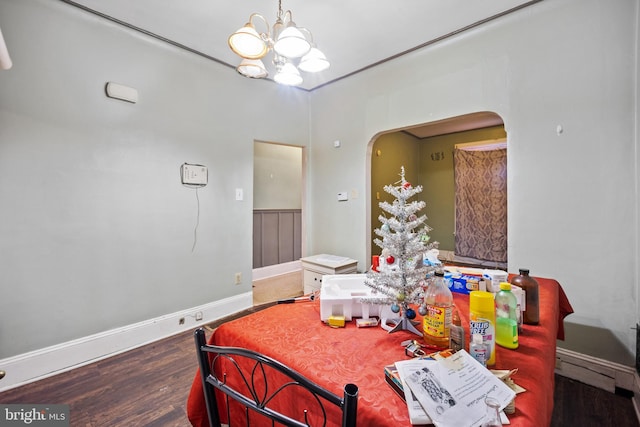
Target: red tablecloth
{"x": 294, "y": 335}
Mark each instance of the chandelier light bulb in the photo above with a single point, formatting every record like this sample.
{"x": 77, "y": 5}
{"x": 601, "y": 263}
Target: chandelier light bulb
{"x": 314, "y": 61}
{"x": 288, "y": 75}
{"x": 291, "y": 43}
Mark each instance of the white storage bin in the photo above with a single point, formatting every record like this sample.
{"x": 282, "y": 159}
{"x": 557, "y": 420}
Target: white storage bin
{"x": 341, "y": 295}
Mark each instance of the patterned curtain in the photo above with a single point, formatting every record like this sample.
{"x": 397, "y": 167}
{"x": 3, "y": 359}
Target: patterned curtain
{"x": 481, "y": 204}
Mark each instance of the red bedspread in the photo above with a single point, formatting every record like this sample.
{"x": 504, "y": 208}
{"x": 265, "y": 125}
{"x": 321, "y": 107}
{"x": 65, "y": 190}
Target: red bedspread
{"x": 294, "y": 335}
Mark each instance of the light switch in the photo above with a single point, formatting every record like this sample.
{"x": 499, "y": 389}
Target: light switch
{"x": 239, "y": 194}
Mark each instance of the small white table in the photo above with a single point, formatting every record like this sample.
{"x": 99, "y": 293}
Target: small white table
{"x": 316, "y": 266}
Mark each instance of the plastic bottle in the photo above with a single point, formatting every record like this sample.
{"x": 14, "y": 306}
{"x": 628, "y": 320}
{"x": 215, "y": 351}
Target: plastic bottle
{"x": 531, "y": 313}
{"x": 482, "y": 320}
{"x": 436, "y": 323}
{"x": 506, "y": 317}
{"x": 478, "y": 349}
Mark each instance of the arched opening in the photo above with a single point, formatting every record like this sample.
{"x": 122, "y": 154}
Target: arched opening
{"x": 427, "y": 153}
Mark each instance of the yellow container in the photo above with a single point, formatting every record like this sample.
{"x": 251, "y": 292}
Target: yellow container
{"x": 336, "y": 321}
{"x": 482, "y": 320}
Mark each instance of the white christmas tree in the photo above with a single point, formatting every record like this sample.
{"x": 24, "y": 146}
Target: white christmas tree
{"x": 402, "y": 276}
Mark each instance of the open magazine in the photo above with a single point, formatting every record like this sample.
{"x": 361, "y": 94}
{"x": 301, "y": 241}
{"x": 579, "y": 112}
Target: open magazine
{"x": 452, "y": 391}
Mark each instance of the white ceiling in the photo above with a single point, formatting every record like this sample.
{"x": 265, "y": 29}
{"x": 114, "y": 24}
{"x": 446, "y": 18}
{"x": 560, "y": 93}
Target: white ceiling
{"x": 354, "y": 34}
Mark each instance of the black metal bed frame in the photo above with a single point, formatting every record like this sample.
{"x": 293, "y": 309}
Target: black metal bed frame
{"x": 258, "y": 399}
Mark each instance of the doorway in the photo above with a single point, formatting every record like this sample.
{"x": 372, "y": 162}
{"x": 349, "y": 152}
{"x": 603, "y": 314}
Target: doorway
{"x": 427, "y": 153}
{"x": 278, "y": 176}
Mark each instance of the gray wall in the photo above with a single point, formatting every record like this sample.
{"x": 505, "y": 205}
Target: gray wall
{"x": 572, "y": 198}
{"x": 277, "y": 176}
{"x": 96, "y": 230}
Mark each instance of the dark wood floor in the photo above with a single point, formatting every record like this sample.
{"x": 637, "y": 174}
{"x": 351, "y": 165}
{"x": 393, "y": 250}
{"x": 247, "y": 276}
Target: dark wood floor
{"x": 578, "y": 404}
{"x": 149, "y": 386}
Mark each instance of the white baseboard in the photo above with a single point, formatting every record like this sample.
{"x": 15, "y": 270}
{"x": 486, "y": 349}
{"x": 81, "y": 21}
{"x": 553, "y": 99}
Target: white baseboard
{"x": 35, "y": 365}
{"x": 599, "y": 373}
{"x": 276, "y": 270}
{"x": 594, "y": 371}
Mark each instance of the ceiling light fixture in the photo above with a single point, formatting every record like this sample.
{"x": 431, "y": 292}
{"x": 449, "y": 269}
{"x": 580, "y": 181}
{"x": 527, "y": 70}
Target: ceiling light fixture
{"x": 292, "y": 46}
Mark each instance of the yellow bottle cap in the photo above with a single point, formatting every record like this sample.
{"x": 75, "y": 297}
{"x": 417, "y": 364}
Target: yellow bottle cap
{"x": 481, "y": 301}
{"x": 505, "y": 286}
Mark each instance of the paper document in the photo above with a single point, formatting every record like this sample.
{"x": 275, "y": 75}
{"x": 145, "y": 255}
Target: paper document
{"x": 452, "y": 391}
{"x": 417, "y": 415}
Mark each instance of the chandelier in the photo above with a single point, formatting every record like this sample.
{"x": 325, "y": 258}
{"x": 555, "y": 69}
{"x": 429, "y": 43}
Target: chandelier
{"x": 293, "y": 49}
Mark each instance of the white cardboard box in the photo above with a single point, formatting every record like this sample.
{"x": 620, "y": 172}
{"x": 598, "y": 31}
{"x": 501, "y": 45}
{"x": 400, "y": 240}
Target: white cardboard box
{"x": 316, "y": 266}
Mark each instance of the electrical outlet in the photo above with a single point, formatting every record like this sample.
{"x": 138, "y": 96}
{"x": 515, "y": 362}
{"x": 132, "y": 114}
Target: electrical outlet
{"x": 199, "y": 315}
{"x": 238, "y": 278}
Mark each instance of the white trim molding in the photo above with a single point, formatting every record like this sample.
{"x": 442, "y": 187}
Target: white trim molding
{"x": 594, "y": 371}
{"x": 42, "y": 363}
{"x": 276, "y": 270}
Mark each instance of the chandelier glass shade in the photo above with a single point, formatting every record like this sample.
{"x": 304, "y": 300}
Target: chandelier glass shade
{"x": 247, "y": 43}
{"x": 252, "y": 68}
{"x": 314, "y": 61}
{"x": 291, "y": 43}
{"x": 292, "y": 46}
{"x": 288, "y": 74}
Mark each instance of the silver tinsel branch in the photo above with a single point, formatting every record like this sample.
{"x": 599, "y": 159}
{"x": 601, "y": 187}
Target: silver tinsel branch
{"x": 404, "y": 237}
